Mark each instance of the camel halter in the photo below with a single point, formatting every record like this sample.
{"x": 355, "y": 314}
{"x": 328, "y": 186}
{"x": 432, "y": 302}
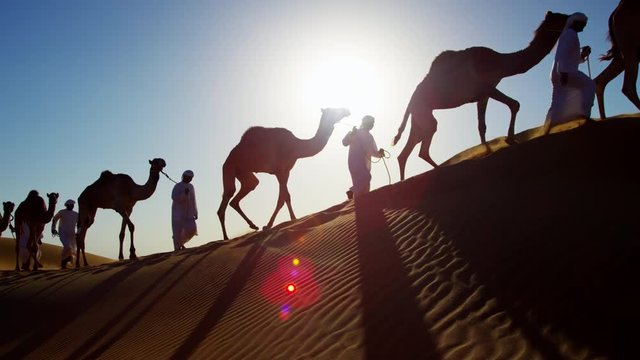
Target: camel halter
{"x": 170, "y": 179}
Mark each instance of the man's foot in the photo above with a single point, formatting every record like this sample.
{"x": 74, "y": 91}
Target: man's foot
{"x": 349, "y": 194}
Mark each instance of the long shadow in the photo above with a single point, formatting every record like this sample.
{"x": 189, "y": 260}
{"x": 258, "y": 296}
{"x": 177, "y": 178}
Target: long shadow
{"x": 393, "y": 323}
{"x": 231, "y": 291}
{"x": 98, "y": 336}
{"x": 57, "y": 318}
{"x": 551, "y": 230}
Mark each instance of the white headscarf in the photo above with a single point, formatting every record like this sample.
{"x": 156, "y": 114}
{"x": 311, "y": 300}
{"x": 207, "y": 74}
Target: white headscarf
{"x": 576, "y": 17}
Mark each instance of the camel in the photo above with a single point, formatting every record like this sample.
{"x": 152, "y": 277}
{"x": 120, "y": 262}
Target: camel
{"x": 467, "y": 76}
{"x": 5, "y": 220}
{"x": 624, "y": 54}
{"x": 120, "y": 193}
{"x": 33, "y": 213}
{"x": 273, "y": 151}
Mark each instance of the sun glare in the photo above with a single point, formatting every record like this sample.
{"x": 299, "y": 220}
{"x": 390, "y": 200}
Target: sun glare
{"x": 344, "y": 81}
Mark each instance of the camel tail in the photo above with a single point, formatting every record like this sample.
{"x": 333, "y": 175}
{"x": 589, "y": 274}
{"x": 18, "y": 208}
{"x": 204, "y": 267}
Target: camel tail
{"x": 613, "y": 52}
{"x": 403, "y": 124}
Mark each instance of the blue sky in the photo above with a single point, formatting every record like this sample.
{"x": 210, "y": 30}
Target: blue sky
{"x": 87, "y": 86}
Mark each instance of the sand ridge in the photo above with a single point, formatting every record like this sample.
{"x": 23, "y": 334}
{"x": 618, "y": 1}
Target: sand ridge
{"x": 526, "y": 252}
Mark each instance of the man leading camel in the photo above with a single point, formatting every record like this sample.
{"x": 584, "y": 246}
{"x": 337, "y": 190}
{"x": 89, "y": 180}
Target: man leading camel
{"x": 362, "y": 147}
{"x": 184, "y": 211}
{"x": 569, "y": 82}
{"x": 67, "y": 231}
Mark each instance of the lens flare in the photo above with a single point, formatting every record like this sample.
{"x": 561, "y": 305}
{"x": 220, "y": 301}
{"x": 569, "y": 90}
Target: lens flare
{"x": 291, "y": 288}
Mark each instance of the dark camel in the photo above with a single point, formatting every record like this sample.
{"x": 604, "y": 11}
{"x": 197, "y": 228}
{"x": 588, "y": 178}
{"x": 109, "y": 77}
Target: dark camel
{"x": 468, "y": 76}
{"x": 273, "y": 151}
{"x": 117, "y": 192}
{"x": 34, "y": 214}
{"x": 624, "y": 54}
{"x": 5, "y": 218}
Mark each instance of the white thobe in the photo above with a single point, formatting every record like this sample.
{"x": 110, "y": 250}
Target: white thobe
{"x": 67, "y": 231}
{"x": 575, "y": 99}
{"x": 362, "y": 147}
{"x": 184, "y": 213}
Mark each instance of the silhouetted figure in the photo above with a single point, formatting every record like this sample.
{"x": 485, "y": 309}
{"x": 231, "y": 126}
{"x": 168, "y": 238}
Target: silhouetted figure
{"x": 273, "y": 151}
{"x": 66, "y": 231}
{"x": 5, "y": 217}
{"x": 184, "y": 211}
{"x": 117, "y": 192}
{"x": 31, "y": 216}
{"x": 467, "y": 76}
{"x": 362, "y": 147}
{"x": 573, "y": 91}
{"x": 624, "y": 54}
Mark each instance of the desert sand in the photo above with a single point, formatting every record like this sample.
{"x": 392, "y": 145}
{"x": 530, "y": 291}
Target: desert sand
{"x": 50, "y": 255}
{"x": 527, "y": 251}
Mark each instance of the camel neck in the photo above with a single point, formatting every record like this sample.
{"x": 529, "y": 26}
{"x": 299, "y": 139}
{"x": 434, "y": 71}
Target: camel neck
{"x": 312, "y": 146}
{"x": 521, "y": 61}
{"x": 145, "y": 191}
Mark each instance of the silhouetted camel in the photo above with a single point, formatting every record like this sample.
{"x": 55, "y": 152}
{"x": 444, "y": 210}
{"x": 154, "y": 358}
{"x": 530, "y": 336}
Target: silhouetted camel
{"x": 5, "y": 218}
{"x": 33, "y": 213}
{"x": 467, "y": 76}
{"x": 273, "y": 151}
{"x": 117, "y": 192}
{"x": 624, "y": 54}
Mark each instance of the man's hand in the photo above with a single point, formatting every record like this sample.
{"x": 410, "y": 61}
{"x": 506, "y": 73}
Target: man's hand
{"x": 54, "y": 232}
{"x": 585, "y": 52}
{"x": 381, "y": 152}
{"x": 564, "y": 78}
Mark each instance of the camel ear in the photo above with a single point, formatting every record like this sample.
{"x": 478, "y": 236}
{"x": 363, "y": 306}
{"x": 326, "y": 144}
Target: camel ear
{"x": 323, "y": 109}
{"x": 547, "y": 14}
{"x": 149, "y": 162}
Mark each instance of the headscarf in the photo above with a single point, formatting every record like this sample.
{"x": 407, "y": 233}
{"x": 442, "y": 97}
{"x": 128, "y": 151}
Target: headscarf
{"x": 576, "y": 17}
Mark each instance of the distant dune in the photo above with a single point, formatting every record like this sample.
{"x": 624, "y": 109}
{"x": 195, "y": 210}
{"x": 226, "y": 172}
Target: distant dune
{"x": 527, "y": 251}
{"x": 50, "y": 255}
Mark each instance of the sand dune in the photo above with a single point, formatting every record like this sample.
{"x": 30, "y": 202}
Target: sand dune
{"x": 50, "y": 255}
{"x": 527, "y": 252}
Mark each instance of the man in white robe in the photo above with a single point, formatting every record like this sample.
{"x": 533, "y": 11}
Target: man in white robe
{"x": 67, "y": 231}
{"x": 184, "y": 211}
{"x": 573, "y": 91}
{"x": 362, "y": 147}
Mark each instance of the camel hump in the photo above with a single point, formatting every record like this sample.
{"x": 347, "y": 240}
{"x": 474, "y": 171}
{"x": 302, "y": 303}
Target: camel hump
{"x": 261, "y": 134}
{"x": 106, "y": 175}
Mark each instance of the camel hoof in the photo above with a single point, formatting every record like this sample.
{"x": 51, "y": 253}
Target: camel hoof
{"x": 133, "y": 257}
{"x": 265, "y": 228}
{"x": 253, "y": 226}
{"x": 511, "y": 141}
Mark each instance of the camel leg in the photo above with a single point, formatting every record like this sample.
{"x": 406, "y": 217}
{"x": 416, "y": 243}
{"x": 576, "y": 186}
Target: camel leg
{"x": 248, "y": 182}
{"x": 429, "y": 131}
{"x": 609, "y": 73}
{"x": 514, "y": 107}
{"x": 17, "y": 250}
{"x": 226, "y": 196}
{"x": 630, "y": 77}
{"x": 80, "y": 243}
{"x": 287, "y": 198}
{"x": 482, "y": 124}
{"x": 283, "y": 195}
{"x": 126, "y": 222}
{"x": 412, "y": 141}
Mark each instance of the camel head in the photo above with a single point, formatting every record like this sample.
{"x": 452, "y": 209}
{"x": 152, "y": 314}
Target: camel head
{"x": 553, "y": 22}
{"x": 333, "y": 115}
{"x": 157, "y": 164}
{"x": 53, "y": 198}
{"x": 7, "y": 207}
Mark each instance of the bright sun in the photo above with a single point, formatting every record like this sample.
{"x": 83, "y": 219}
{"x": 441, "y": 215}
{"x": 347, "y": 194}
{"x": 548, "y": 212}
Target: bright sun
{"x": 344, "y": 81}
